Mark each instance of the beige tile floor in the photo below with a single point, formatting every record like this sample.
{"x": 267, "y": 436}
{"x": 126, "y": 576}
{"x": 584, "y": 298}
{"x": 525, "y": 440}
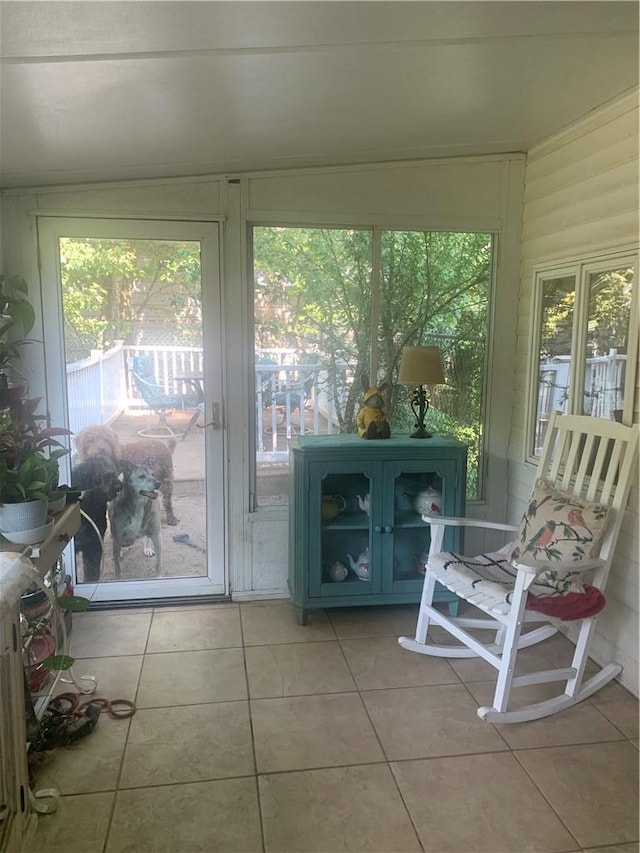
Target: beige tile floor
{"x": 255, "y": 734}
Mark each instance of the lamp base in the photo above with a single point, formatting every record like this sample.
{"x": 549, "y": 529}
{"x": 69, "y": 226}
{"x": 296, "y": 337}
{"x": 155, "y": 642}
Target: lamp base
{"x": 420, "y": 432}
{"x": 419, "y": 406}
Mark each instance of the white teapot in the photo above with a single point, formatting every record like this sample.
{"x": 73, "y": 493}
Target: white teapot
{"x": 428, "y": 501}
{"x": 361, "y": 567}
{"x": 364, "y": 502}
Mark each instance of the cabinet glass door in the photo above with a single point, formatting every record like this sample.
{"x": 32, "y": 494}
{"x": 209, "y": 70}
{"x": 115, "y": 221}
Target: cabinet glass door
{"x": 413, "y": 490}
{"x": 344, "y": 502}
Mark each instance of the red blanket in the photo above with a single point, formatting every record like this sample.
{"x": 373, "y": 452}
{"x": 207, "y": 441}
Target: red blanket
{"x": 574, "y": 605}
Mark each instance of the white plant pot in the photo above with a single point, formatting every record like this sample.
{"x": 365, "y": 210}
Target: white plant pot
{"x": 56, "y": 502}
{"x": 31, "y": 536}
{"x": 23, "y": 516}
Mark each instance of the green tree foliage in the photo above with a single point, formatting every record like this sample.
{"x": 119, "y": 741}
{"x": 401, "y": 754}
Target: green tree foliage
{"x": 313, "y": 294}
{"x": 435, "y": 291}
{"x": 610, "y": 294}
{"x": 609, "y": 310}
{"x": 558, "y": 305}
{"x": 110, "y": 287}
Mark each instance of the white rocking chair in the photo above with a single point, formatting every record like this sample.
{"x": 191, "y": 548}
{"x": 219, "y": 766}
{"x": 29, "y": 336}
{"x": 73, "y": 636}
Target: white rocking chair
{"x": 583, "y": 480}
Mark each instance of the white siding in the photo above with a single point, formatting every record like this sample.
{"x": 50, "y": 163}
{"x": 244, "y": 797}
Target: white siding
{"x": 581, "y": 198}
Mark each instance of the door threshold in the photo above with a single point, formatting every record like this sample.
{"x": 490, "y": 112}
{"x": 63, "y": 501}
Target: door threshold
{"x": 176, "y": 601}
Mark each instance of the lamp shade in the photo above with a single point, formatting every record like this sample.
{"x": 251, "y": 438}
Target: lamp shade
{"x": 421, "y": 366}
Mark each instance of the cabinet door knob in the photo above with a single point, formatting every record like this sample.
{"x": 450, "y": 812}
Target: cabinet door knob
{"x": 377, "y": 528}
{"x": 388, "y": 529}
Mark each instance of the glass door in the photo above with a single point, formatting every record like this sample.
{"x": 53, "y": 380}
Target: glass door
{"x": 342, "y": 504}
{"x": 414, "y": 489}
{"x": 132, "y": 372}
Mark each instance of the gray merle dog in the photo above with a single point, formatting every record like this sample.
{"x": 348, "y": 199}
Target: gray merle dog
{"x": 135, "y": 513}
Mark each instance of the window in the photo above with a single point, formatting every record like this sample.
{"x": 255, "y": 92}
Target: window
{"x": 332, "y": 305}
{"x": 584, "y": 342}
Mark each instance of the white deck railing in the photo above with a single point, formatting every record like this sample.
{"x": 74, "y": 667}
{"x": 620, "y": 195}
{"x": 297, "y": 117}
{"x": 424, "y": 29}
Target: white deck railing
{"x": 99, "y": 389}
{"x": 96, "y": 388}
{"x": 603, "y": 388}
{"x": 290, "y": 398}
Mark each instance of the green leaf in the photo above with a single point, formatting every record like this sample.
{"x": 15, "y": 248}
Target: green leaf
{"x": 57, "y": 454}
{"x": 59, "y": 662}
{"x": 75, "y": 603}
{"x": 4, "y": 328}
{"x": 22, "y": 313}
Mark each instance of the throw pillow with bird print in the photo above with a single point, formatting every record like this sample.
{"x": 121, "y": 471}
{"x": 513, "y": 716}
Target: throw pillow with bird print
{"x": 557, "y": 527}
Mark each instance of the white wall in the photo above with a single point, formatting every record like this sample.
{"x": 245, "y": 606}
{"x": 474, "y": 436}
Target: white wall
{"x": 581, "y": 198}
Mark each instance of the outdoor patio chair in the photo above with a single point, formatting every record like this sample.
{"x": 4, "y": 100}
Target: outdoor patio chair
{"x": 198, "y": 411}
{"x": 291, "y": 395}
{"x": 159, "y": 401}
{"x": 554, "y": 570}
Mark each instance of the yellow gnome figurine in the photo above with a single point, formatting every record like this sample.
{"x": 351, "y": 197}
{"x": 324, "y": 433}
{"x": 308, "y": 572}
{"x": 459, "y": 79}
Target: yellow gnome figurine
{"x": 371, "y": 420}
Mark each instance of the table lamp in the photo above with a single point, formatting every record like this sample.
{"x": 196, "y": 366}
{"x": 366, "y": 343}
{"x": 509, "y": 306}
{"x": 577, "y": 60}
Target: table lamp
{"x": 420, "y": 366}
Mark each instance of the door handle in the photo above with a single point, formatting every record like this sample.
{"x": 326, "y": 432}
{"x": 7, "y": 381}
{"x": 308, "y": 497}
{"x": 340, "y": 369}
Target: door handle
{"x": 215, "y": 422}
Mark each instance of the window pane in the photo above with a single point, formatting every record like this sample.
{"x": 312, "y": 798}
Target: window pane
{"x": 435, "y": 292}
{"x": 554, "y": 364}
{"x": 607, "y": 342}
{"x": 313, "y": 334}
{"x": 128, "y": 303}
{"x": 312, "y": 318}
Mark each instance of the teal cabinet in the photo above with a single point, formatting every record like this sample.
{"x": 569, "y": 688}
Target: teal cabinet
{"x": 356, "y": 535}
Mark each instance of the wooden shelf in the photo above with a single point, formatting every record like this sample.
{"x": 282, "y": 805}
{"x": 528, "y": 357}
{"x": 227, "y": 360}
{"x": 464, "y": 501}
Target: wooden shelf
{"x": 44, "y": 554}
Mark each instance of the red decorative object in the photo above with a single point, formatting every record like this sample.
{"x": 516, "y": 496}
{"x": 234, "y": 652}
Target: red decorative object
{"x": 41, "y": 647}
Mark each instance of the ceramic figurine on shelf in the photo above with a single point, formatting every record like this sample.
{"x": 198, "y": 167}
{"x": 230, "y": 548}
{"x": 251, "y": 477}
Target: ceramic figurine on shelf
{"x": 420, "y": 562}
{"x": 361, "y": 567}
{"x": 364, "y": 502}
{"x": 338, "y": 571}
{"x": 372, "y": 421}
{"x": 332, "y": 505}
{"x": 428, "y": 501}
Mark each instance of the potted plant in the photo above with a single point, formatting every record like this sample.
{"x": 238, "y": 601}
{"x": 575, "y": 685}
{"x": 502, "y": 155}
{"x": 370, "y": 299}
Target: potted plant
{"x": 29, "y": 454}
{"x": 17, "y": 318}
{"x": 29, "y": 467}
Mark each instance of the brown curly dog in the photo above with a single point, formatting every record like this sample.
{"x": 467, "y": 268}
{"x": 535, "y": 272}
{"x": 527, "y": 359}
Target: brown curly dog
{"x": 101, "y": 440}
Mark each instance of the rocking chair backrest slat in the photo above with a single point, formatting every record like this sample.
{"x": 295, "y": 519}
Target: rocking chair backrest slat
{"x": 573, "y": 444}
{"x": 553, "y": 454}
{"x": 584, "y": 461}
{"x": 593, "y": 459}
{"x": 595, "y": 468}
{"x": 612, "y": 472}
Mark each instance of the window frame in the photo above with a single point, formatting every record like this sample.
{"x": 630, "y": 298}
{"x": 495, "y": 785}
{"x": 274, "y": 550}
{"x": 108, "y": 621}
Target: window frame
{"x": 581, "y": 269}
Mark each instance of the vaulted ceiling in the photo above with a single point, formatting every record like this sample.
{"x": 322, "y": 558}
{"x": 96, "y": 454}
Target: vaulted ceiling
{"x": 95, "y": 91}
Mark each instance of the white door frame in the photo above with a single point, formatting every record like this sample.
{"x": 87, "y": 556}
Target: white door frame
{"x": 50, "y": 229}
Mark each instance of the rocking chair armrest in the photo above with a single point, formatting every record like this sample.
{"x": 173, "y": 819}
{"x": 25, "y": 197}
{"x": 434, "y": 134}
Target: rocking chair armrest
{"x": 439, "y": 523}
{"x": 451, "y": 521}
{"x": 567, "y": 566}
